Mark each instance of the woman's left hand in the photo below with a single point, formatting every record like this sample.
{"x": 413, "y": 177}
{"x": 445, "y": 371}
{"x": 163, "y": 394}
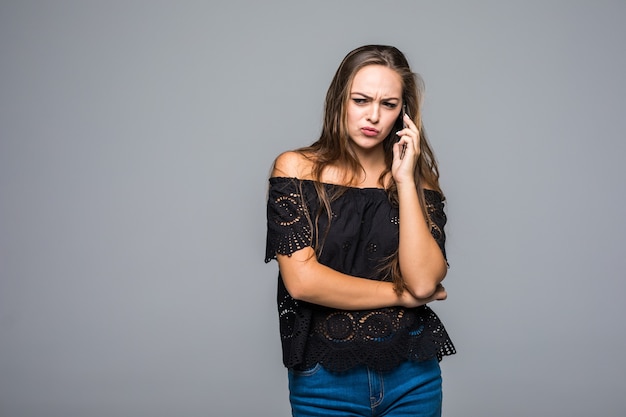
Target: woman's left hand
{"x": 406, "y": 152}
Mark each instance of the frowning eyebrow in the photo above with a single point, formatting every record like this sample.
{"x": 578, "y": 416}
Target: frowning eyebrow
{"x": 371, "y": 98}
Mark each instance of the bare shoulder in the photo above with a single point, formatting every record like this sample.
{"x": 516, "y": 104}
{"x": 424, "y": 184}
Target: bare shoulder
{"x": 292, "y": 164}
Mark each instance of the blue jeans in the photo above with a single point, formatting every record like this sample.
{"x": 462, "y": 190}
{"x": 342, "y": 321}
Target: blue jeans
{"x": 412, "y": 389}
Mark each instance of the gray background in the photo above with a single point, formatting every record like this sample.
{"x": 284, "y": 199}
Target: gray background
{"x": 135, "y": 142}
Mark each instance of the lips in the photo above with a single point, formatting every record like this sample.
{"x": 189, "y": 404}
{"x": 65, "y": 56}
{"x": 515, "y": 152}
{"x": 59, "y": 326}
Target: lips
{"x": 369, "y": 131}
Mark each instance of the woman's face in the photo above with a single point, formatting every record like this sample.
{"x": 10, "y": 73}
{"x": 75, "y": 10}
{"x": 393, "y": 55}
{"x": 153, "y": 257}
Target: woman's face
{"x": 374, "y": 105}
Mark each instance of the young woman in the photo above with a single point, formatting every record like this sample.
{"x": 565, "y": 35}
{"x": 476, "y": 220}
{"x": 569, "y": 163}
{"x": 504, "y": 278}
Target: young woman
{"x": 356, "y": 223}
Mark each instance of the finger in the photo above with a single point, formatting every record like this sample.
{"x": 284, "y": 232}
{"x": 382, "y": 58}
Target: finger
{"x": 412, "y": 135}
{"x": 405, "y": 132}
{"x": 406, "y": 142}
{"x": 441, "y": 292}
{"x": 409, "y": 122}
{"x": 399, "y": 148}
{"x": 407, "y": 136}
{"x": 412, "y": 127}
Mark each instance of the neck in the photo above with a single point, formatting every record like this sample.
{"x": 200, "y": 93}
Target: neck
{"x": 373, "y": 163}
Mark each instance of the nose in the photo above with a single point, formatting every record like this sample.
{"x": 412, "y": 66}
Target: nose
{"x": 374, "y": 113}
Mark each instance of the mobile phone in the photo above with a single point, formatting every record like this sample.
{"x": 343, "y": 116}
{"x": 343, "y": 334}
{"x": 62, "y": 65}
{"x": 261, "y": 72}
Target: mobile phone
{"x": 400, "y": 124}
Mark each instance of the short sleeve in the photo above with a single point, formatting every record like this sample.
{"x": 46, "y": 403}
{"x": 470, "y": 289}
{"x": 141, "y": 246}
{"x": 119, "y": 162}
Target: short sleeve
{"x": 288, "y": 229}
{"x": 435, "y": 207}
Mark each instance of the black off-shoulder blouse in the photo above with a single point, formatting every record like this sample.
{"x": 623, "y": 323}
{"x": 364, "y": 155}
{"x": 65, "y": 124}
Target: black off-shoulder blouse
{"x": 363, "y": 232}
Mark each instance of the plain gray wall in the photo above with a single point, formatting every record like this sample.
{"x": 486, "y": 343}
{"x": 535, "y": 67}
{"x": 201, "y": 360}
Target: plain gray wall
{"x": 135, "y": 142}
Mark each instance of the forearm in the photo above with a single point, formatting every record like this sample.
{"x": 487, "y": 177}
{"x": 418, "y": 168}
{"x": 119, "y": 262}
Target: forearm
{"x": 422, "y": 263}
{"x": 308, "y": 280}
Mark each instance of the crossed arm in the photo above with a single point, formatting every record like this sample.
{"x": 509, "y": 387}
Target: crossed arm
{"x": 421, "y": 262}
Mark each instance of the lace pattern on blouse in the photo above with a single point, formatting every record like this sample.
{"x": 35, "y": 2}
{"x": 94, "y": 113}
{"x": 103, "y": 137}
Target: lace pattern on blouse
{"x": 338, "y": 339}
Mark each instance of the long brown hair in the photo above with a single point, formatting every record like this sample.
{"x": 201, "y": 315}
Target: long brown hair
{"x": 333, "y": 146}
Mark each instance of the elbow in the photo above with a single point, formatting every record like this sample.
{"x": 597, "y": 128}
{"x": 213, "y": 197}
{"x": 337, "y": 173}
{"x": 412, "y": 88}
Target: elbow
{"x": 296, "y": 272}
{"x": 296, "y": 289}
{"x": 426, "y": 288}
{"x": 422, "y": 291}
{"x": 298, "y": 286}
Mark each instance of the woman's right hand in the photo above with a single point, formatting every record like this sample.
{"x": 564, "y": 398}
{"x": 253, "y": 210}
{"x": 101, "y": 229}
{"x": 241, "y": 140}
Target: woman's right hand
{"x": 410, "y": 301}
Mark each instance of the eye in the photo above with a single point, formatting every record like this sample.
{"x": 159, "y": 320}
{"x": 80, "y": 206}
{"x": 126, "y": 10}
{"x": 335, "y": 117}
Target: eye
{"x": 390, "y": 105}
{"x": 359, "y": 100}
